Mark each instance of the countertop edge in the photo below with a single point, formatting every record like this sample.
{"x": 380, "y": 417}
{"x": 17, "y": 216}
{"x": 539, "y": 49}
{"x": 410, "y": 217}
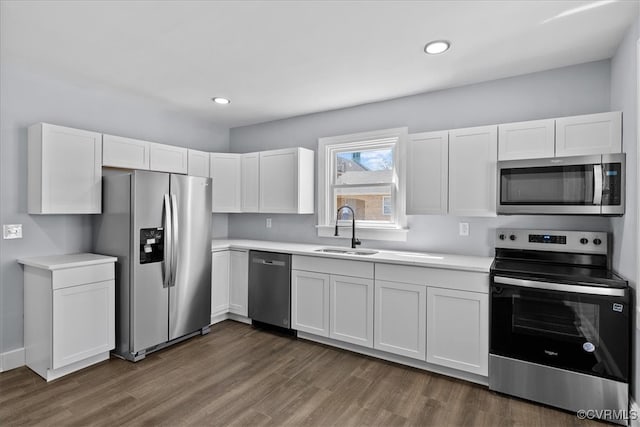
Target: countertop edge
{"x": 229, "y": 244}
{"x": 40, "y": 262}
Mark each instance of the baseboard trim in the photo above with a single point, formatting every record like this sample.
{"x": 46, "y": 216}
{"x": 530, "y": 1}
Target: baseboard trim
{"x": 229, "y": 316}
{"x": 12, "y": 359}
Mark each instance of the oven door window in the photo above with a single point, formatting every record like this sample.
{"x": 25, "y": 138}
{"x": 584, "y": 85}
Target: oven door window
{"x": 583, "y": 333}
{"x": 549, "y": 185}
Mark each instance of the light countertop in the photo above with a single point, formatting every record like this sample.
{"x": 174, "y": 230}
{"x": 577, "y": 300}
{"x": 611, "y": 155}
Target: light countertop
{"x": 419, "y": 259}
{"x": 59, "y": 262}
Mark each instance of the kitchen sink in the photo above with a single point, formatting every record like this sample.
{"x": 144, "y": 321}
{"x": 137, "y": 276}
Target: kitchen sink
{"x": 347, "y": 251}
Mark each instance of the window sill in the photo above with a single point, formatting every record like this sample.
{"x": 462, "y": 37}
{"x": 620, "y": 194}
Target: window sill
{"x": 365, "y": 233}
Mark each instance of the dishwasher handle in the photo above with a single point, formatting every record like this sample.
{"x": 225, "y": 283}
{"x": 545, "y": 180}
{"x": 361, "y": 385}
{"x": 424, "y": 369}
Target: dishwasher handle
{"x": 269, "y": 262}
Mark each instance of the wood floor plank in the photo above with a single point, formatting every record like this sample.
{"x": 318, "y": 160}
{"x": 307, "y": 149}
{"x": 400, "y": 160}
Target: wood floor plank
{"x": 239, "y": 375}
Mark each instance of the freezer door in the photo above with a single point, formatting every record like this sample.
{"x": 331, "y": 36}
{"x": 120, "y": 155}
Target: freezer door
{"x": 150, "y": 299}
{"x": 190, "y": 288}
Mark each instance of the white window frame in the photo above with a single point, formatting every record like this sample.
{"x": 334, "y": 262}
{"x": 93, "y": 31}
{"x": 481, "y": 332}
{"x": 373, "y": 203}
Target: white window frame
{"x": 397, "y": 229}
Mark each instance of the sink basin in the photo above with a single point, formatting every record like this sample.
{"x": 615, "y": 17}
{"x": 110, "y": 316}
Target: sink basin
{"x": 347, "y": 251}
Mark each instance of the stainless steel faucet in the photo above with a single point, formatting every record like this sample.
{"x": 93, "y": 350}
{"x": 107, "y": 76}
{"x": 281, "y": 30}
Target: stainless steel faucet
{"x": 354, "y": 241}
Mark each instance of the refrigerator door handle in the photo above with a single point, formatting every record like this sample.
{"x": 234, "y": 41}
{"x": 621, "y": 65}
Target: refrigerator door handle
{"x": 168, "y": 242}
{"x": 174, "y": 240}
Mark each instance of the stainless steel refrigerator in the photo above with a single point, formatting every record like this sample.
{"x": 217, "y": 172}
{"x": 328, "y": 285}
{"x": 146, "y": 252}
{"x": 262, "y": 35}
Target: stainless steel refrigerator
{"x": 159, "y": 227}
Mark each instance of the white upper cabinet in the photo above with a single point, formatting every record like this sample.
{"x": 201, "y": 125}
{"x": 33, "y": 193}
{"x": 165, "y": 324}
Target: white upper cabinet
{"x": 168, "y": 158}
{"x": 472, "y": 171}
{"x": 526, "y": 140}
{"x": 64, "y": 170}
{"x": 589, "y": 134}
{"x": 287, "y": 181}
{"x": 250, "y": 182}
{"x": 226, "y": 174}
{"x": 198, "y": 163}
{"x": 128, "y": 153}
{"x": 427, "y": 173}
{"x": 458, "y": 329}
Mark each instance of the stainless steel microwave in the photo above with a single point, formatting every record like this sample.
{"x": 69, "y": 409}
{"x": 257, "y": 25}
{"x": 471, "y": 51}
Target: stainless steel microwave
{"x": 581, "y": 185}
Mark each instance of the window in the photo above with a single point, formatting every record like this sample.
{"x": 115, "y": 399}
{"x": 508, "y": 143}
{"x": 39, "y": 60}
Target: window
{"x": 362, "y": 171}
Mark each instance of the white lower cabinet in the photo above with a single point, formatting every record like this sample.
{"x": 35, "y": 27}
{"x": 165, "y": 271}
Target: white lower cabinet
{"x": 310, "y": 302}
{"x": 458, "y": 329}
{"x": 219, "y": 283}
{"x": 69, "y": 312}
{"x": 400, "y": 318}
{"x": 351, "y": 307}
{"x": 239, "y": 282}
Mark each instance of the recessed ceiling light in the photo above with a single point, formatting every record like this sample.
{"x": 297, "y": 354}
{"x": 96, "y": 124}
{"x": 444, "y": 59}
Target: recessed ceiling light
{"x": 219, "y": 100}
{"x": 436, "y": 47}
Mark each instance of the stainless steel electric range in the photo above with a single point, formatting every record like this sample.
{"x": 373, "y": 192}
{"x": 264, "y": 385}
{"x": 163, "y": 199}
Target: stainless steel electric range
{"x": 560, "y": 321}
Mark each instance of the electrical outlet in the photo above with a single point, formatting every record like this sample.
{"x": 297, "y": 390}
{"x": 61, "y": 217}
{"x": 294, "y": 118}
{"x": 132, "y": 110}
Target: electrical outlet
{"x": 268, "y": 222}
{"x": 12, "y": 231}
{"x": 463, "y": 228}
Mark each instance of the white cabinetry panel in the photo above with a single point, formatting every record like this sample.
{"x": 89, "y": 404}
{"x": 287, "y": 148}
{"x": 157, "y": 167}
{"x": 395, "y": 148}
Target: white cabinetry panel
{"x": 351, "y": 305}
{"x": 225, "y": 171}
{"x": 64, "y": 170}
{"x": 310, "y": 302}
{"x": 239, "y": 282}
{"x": 427, "y": 173}
{"x": 287, "y": 181}
{"x": 198, "y": 163}
{"x": 472, "y": 171}
{"x": 458, "y": 330}
{"x": 251, "y": 182}
{"x": 400, "y": 318}
{"x": 120, "y": 152}
{"x": 589, "y": 134}
{"x": 526, "y": 140}
{"x": 167, "y": 158}
{"x": 220, "y": 262}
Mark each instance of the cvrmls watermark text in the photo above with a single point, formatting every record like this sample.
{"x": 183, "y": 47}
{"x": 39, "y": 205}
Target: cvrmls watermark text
{"x": 607, "y": 414}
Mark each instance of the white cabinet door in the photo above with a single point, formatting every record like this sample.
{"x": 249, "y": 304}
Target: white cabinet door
{"x": 526, "y": 140}
{"x": 310, "y": 302}
{"x": 167, "y": 158}
{"x": 351, "y": 306}
{"x": 400, "y": 318}
{"x": 427, "y": 173}
{"x": 83, "y": 322}
{"x": 589, "y": 134}
{"x": 250, "y": 182}
{"x": 198, "y": 163}
{"x": 226, "y": 174}
{"x": 219, "y": 283}
{"x": 287, "y": 181}
{"x": 64, "y": 170}
{"x": 458, "y": 329}
{"x": 472, "y": 171}
{"x": 120, "y": 152}
{"x": 239, "y": 282}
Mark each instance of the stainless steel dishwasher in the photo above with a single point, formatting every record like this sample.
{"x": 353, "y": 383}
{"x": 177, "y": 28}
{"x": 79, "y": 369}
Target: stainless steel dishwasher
{"x": 270, "y": 288}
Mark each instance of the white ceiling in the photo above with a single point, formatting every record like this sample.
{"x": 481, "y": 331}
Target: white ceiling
{"x": 277, "y": 59}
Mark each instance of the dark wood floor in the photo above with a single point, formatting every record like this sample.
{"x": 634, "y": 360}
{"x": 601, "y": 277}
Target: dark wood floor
{"x": 239, "y": 375}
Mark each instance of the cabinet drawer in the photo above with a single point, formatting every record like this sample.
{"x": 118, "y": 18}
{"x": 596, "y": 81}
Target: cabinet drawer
{"x": 333, "y": 266}
{"x": 436, "y": 277}
{"x": 82, "y": 275}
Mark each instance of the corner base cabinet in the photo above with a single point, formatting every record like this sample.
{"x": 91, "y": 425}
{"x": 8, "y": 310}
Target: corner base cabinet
{"x": 69, "y": 312}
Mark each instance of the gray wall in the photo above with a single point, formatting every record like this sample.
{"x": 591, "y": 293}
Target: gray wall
{"x": 579, "y": 89}
{"x": 29, "y": 97}
{"x": 624, "y": 84}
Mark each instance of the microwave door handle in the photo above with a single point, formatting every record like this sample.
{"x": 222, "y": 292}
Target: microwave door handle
{"x": 168, "y": 230}
{"x": 562, "y": 287}
{"x": 597, "y": 184}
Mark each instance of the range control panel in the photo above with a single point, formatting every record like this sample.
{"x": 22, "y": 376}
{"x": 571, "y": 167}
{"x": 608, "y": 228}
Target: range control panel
{"x": 592, "y": 242}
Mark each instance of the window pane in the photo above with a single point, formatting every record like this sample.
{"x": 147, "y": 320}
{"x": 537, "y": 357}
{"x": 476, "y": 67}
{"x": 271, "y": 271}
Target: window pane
{"x": 364, "y": 166}
{"x": 367, "y": 202}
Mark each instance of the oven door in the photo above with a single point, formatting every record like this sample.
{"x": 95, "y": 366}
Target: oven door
{"x": 552, "y": 324}
{"x": 571, "y": 185}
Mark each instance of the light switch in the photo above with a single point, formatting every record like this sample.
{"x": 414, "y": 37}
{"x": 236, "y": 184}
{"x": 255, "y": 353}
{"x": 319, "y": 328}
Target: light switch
{"x": 464, "y": 228}
{"x": 12, "y": 231}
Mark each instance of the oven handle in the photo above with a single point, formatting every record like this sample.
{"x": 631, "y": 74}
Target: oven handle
{"x": 578, "y": 289}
